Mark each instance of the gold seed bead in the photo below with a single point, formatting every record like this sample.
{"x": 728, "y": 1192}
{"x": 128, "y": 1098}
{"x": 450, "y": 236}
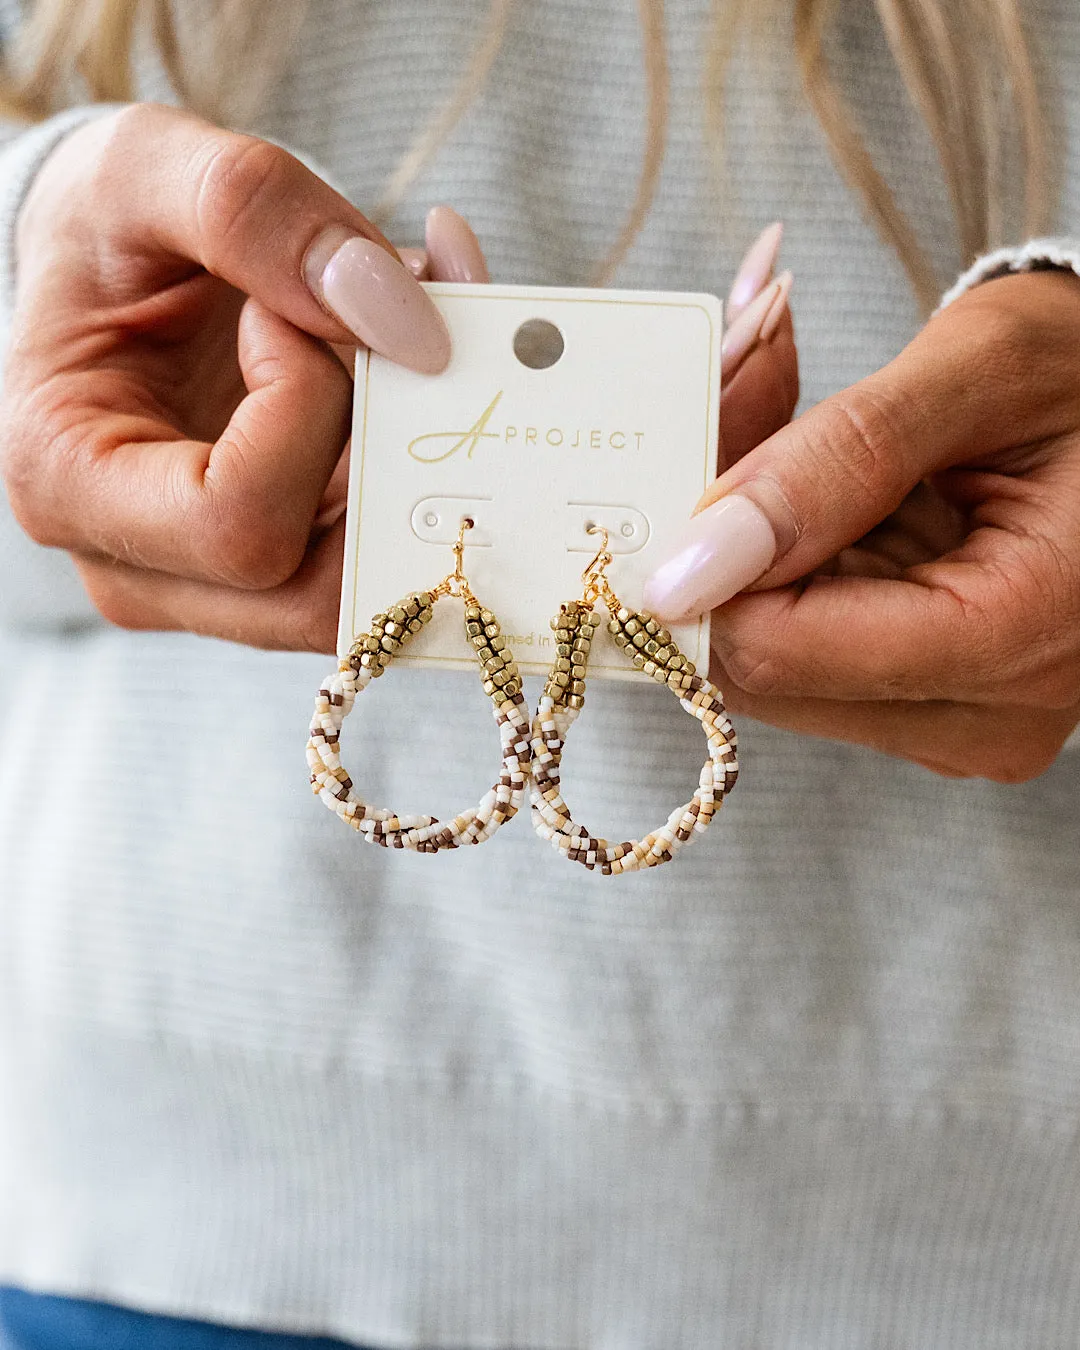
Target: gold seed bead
{"x": 563, "y": 635}
{"x": 479, "y": 641}
{"x": 426, "y": 599}
{"x": 390, "y": 644}
{"x": 486, "y": 616}
{"x": 472, "y": 629}
{"x": 489, "y": 686}
{"x": 498, "y": 642}
{"x": 632, "y": 627}
{"x": 562, "y": 663}
{"x": 652, "y": 647}
{"x": 561, "y": 678}
{"x": 415, "y": 625}
{"x": 398, "y": 614}
{"x": 582, "y": 644}
{"x": 577, "y": 672}
{"x": 621, "y": 640}
{"x": 689, "y": 668}
{"x": 639, "y": 661}
{"x": 577, "y": 687}
{"x": 512, "y": 686}
{"x": 664, "y": 654}
{"x": 613, "y": 625}
{"x": 652, "y": 627}
{"x": 576, "y": 700}
{"x": 370, "y": 643}
{"x": 499, "y": 698}
{"x": 376, "y": 671}
{"x": 640, "y": 638}
{"x": 472, "y": 612}
{"x": 383, "y": 659}
{"x": 412, "y": 607}
{"x": 499, "y": 678}
{"x": 677, "y": 661}
{"x": 563, "y": 649}
{"x": 379, "y": 620}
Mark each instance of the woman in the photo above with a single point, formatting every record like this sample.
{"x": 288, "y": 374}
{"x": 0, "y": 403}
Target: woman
{"x": 815, "y": 1085}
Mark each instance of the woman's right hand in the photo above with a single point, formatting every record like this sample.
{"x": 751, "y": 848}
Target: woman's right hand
{"x": 173, "y": 412}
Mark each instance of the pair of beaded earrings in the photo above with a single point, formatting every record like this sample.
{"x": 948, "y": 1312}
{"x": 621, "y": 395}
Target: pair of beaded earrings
{"x": 531, "y": 754}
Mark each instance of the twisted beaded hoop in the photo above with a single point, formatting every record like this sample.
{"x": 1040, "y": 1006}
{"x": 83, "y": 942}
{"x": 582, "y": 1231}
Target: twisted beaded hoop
{"x": 368, "y": 657}
{"x": 651, "y": 650}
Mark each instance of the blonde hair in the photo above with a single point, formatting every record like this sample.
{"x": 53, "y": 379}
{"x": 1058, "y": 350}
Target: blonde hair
{"x": 966, "y": 64}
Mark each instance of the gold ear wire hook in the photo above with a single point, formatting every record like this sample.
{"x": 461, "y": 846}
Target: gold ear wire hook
{"x": 459, "y": 548}
{"x": 602, "y": 557}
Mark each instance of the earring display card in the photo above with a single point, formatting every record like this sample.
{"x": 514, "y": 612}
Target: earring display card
{"x": 561, "y": 409}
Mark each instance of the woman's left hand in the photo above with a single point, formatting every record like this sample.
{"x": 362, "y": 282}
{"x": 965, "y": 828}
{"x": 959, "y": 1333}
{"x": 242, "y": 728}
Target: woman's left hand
{"x": 908, "y": 551}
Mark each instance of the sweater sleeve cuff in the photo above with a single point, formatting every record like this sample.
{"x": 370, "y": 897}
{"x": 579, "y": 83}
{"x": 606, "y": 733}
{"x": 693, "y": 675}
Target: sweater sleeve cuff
{"x": 1037, "y": 255}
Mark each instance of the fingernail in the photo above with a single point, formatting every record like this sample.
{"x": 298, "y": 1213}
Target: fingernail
{"x": 723, "y": 549}
{"x": 377, "y": 299}
{"x": 755, "y": 269}
{"x": 416, "y": 260}
{"x": 454, "y": 250}
{"x": 776, "y": 309}
{"x": 746, "y": 331}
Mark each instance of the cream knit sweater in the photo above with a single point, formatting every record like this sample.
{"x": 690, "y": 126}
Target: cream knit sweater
{"x": 816, "y": 1086}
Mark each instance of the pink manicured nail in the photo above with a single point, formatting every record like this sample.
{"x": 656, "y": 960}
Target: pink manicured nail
{"x": 416, "y": 260}
{"x": 723, "y": 549}
{"x": 755, "y": 269}
{"x": 378, "y": 299}
{"x": 749, "y": 328}
{"x": 454, "y": 251}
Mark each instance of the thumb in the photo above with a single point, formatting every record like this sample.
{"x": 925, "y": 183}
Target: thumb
{"x": 166, "y": 189}
{"x": 824, "y": 481}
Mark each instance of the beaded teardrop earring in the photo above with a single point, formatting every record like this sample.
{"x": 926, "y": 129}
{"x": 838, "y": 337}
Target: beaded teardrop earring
{"x": 370, "y": 654}
{"x": 650, "y": 648}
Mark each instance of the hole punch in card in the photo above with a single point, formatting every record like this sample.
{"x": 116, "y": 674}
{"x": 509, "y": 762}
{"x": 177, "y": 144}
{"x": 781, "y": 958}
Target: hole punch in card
{"x": 560, "y": 409}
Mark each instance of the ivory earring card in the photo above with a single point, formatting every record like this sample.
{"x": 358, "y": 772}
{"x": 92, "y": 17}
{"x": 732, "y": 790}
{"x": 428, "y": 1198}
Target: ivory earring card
{"x": 561, "y": 409}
